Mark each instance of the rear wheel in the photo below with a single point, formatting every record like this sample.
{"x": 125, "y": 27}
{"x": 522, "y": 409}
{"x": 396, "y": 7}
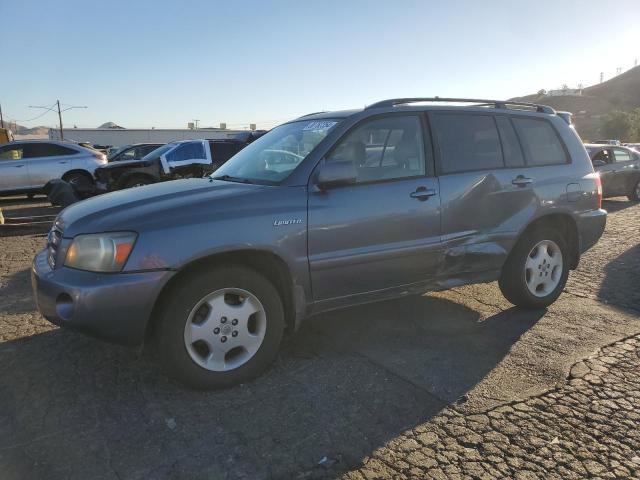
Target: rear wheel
{"x": 220, "y": 327}
{"x": 537, "y": 269}
{"x": 634, "y": 196}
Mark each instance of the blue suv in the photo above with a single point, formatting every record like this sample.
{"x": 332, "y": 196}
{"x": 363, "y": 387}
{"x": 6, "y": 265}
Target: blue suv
{"x": 326, "y": 211}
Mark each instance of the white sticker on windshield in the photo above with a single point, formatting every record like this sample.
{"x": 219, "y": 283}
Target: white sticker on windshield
{"x": 320, "y": 125}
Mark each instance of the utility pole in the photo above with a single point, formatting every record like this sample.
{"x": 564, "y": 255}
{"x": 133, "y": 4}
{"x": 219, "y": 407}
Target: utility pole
{"x": 1, "y": 119}
{"x": 57, "y": 104}
{"x": 196, "y": 122}
{"x": 60, "y": 118}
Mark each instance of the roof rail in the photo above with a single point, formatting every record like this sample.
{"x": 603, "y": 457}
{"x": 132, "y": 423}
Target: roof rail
{"x": 392, "y": 102}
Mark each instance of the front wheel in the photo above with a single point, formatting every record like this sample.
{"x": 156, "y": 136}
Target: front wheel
{"x": 220, "y": 327}
{"x": 634, "y": 196}
{"x": 537, "y": 269}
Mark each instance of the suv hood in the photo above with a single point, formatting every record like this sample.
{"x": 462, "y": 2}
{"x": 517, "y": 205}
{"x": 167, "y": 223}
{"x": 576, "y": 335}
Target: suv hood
{"x": 152, "y": 206}
{"x": 125, "y": 163}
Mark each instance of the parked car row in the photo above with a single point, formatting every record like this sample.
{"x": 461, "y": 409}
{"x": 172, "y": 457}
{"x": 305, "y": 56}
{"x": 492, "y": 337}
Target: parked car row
{"x": 323, "y": 212}
{"x": 183, "y": 159}
{"x": 27, "y": 166}
{"x": 619, "y": 169}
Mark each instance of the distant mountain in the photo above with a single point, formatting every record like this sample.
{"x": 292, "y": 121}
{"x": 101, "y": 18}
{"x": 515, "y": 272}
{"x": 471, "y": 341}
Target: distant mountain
{"x": 596, "y": 102}
{"x": 110, "y": 125}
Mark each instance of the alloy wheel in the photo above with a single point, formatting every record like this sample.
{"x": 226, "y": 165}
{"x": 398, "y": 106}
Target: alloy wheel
{"x": 543, "y": 268}
{"x": 225, "y": 329}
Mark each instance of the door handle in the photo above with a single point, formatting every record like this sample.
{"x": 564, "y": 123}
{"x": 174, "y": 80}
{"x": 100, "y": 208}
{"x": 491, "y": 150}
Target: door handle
{"x": 18, "y": 166}
{"x": 423, "y": 193}
{"x": 521, "y": 181}
{"x": 64, "y": 161}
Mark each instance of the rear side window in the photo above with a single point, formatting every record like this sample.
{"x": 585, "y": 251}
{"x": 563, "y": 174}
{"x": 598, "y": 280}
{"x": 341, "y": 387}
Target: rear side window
{"x": 467, "y": 142}
{"x": 223, "y": 151}
{"x": 511, "y": 149}
{"x": 621, "y": 155}
{"x": 34, "y": 150}
{"x": 540, "y": 142}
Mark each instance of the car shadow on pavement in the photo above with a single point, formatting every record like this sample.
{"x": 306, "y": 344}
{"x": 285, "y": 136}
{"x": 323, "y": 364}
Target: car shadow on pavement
{"x": 16, "y": 295}
{"x": 617, "y": 204}
{"x": 621, "y": 283}
{"x": 344, "y": 385}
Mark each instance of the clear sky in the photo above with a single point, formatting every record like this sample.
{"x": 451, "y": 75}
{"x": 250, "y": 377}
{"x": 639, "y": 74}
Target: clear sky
{"x": 162, "y": 64}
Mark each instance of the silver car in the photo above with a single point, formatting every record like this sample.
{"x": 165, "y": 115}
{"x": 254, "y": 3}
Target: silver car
{"x": 26, "y": 166}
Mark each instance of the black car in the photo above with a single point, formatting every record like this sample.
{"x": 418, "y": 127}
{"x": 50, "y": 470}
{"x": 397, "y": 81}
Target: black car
{"x": 619, "y": 169}
{"x": 137, "y": 151}
{"x": 184, "y": 159}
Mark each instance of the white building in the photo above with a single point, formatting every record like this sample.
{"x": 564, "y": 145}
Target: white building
{"x": 117, "y": 137}
{"x": 565, "y": 92}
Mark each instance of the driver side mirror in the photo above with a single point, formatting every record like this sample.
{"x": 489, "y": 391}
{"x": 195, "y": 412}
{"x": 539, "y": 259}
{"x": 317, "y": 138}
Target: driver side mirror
{"x": 599, "y": 163}
{"x": 336, "y": 173}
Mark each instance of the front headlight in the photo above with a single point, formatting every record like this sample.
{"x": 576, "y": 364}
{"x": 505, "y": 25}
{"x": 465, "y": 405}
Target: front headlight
{"x": 100, "y": 252}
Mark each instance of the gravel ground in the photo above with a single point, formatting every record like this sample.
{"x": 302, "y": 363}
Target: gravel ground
{"x": 456, "y": 384}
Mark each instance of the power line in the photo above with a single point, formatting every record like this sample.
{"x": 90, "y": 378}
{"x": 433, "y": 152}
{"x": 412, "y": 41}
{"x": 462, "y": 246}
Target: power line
{"x": 50, "y": 109}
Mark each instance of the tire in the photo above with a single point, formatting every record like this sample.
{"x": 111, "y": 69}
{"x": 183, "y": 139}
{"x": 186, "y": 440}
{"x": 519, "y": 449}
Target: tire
{"x": 196, "y": 359}
{"x": 136, "y": 181}
{"x": 518, "y": 282}
{"x": 81, "y": 182}
{"x": 634, "y": 196}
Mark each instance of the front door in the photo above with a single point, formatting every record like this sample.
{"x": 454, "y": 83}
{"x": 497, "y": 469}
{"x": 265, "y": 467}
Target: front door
{"x": 13, "y": 168}
{"x": 383, "y": 232}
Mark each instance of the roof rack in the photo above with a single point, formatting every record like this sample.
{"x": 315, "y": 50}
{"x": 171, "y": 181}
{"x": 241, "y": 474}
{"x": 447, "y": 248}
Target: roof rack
{"x": 392, "y": 102}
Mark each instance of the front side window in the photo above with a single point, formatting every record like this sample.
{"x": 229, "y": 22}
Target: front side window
{"x": 602, "y": 156}
{"x": 540, "y": 142}
{"x": 187, "y": 151}
{"x": 621, "y": 155}
{"x": 384, "y": 149}
{"x": 11, "y": 152}
{"x": 467, "y": 142}
{"x": 275, "y": 155}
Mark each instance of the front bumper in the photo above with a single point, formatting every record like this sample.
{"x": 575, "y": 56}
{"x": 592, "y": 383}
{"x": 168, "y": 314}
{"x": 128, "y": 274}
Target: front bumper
{"x": 114, "y": 307}
{"x": 590, "y": 227}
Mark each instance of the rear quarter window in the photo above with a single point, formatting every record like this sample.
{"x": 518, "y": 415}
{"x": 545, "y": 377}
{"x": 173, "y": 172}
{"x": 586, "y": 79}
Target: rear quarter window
{"x": 467, "y": 142}
{"x": 540, "y": 142}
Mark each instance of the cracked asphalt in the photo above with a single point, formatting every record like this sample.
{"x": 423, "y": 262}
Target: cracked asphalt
{"x": 455, "y": 384}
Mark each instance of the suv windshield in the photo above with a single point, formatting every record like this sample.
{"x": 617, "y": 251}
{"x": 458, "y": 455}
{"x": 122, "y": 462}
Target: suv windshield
{"x": 272, "y": 157}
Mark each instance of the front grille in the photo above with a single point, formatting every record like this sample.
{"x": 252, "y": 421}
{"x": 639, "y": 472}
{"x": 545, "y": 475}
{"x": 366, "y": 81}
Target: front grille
{"x": 53, "y": 245}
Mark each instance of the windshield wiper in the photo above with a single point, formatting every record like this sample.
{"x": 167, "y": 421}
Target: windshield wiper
{"x": 230, "y": 178}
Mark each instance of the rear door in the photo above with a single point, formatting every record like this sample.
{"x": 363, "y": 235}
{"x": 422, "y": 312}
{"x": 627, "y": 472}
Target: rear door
{"x": 13, "y": 168}
{"x": 46, "y": 161}
{"x": 485, "y": 188}
{"x": 383, "y": 232}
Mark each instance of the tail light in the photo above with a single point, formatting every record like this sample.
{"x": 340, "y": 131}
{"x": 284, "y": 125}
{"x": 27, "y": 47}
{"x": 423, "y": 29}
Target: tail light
{"x": 598, "y": 190}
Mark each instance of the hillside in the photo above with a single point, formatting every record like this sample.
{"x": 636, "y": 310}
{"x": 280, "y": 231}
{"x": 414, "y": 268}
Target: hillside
{"x": 619, "y": 93}
{"x": 20, "y": 130}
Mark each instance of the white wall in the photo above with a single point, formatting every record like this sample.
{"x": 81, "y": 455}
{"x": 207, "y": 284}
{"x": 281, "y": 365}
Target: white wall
{"x": 117, "y": 137}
